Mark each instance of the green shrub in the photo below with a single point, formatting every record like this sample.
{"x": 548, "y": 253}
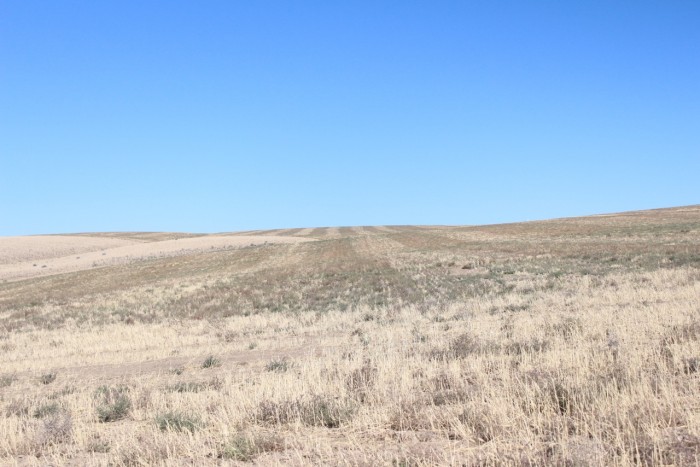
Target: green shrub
{"x": 47, "y": 409}
{"x": 247, "y": 448}
{"x": 178, "y": 421}
{"x": 211, "y": 362}
{"x": 115, "y": 403}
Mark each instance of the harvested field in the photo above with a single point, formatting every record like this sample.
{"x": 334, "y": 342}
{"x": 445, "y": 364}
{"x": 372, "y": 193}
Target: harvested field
{"x": 562, "y": 342}
{"x": 23, "y": 249}
{"x": 25, "y": 257}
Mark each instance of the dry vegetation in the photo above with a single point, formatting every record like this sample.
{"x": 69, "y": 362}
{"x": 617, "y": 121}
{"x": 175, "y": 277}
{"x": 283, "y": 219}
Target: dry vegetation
{"x": 565, "y": 342}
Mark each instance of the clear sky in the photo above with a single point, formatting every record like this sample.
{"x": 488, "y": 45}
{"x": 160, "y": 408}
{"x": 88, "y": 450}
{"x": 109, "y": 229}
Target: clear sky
{"x": 210, "y": 116}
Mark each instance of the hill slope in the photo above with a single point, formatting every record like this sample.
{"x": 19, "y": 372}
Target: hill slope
{"x": 562, "y": 341}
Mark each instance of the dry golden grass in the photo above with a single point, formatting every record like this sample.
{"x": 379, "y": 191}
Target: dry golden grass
{"x": 565, "y": 342}
{"x": 37, "y": 256}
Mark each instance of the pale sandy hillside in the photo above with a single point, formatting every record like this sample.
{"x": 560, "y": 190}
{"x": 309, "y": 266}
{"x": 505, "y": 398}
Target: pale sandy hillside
{"x": 36, "y": 256}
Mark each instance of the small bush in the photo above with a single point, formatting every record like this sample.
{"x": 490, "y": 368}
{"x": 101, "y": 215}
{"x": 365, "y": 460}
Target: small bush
{"x": 66, "y": 391}
{"x": 45, "y": 410}
{"x": 415, "y": 416}
{"x": 239, "y": 448}
{"x": 409, "y": 417}
{"x": 99, "y": 446}
{"x": 278, "y": 365}
{"x": 7, "y": 380}
{"x": 561, "y": 397}
{"x": 467, "y": 344}
{"x": 446, "y": 389}
{"x": 228, "y": 336}
{"x": 187, "y": 387}
{"x": 484, "y": 423}
{"x": 679, "y": 333}
{"x": 318, "y": 410}
{"x": 450, "y": 396}
{"x": 178, "y": 421}
{"x": 327, "y": 412}
{"x": 568, "y": 327}
{"x": 215, "y": 383}
{"x": 48, "y": 378}
{"x": 552, "y": 392}
{"x": 361, "y": 381}
{"x": 527, "y": 347}
{"x": 211, "y": 362}
{"x": 246, "y": 448}
{"x": 17, "y": 407}
{"x": 464, "y": 346}
{"x": 115, "y": 403}
{"x": 691, "y": 365}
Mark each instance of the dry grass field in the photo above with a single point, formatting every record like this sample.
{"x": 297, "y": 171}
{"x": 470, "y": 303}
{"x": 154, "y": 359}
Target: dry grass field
{"x": 563, "y": 342}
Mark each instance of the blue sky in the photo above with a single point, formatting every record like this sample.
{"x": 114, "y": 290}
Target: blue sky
{"x": 223, "y": 115}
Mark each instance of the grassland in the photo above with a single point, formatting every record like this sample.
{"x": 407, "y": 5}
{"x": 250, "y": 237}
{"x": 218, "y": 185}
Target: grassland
{"x": 563, "y": 342}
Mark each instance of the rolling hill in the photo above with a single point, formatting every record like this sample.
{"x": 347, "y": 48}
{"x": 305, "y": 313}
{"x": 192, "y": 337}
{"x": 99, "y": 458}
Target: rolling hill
{"x": 569, "y": 341}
